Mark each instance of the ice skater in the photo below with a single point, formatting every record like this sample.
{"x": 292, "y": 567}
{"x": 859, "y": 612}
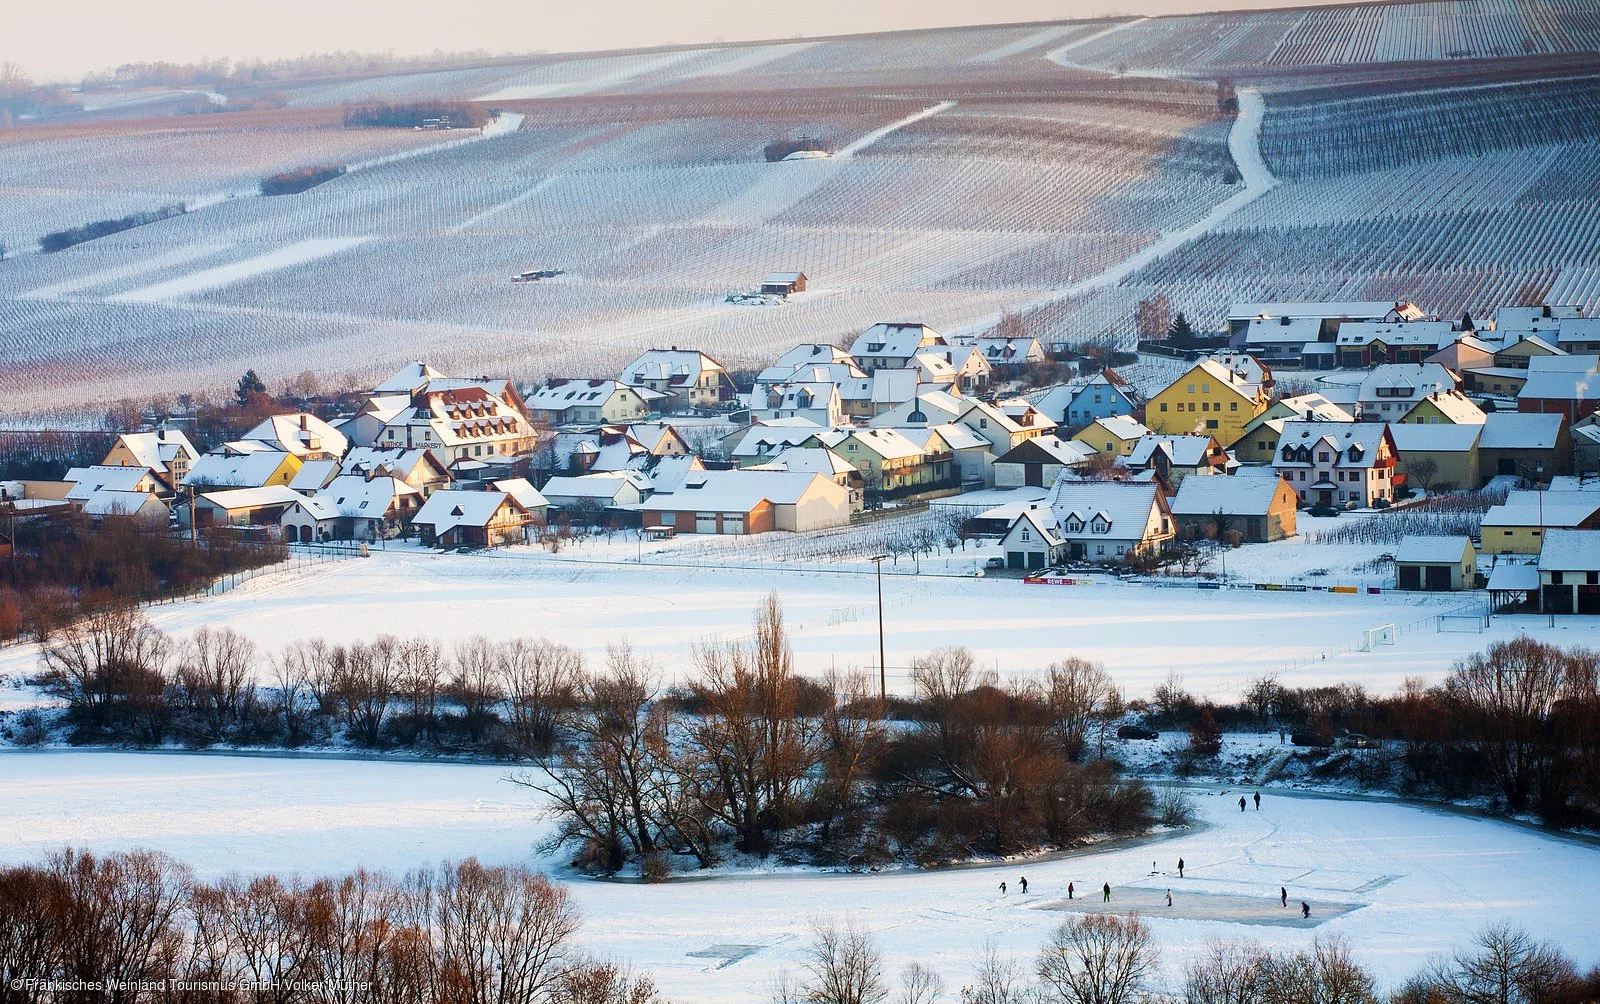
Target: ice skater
{"x": 1024, "y": 884}
{"x": 1069, "y": 890}
{"x": 1002, "y": 888}
{"x": 1105, "y": 891}
{"x": 1180, "y": 868}
{"x": 1283, "y": 897}
{"x": 1241, "y": 803}
{"x": 1258, "y": 801}
{"x": 1305, "y": 909}
{"x": 1169, "y": 897}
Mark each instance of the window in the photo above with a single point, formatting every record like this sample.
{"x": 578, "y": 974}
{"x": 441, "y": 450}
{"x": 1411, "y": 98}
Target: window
{"x": 1555, "y": 578}
{"x": 1233, "y": 405}
{"x": 1099, "y": 549}
{"x": 1163, "y": 406}
{"x": 1100, "y": 525}
{"x": 1026, "y": 535}
{"x": 1211, "y": 423}
{"x": 1205, "y": 405}
{"x": 1191, "y": 388}
{"x": 1075, "y": 525}
{"x": 1322, "y": 457}
{"x": 1122, "y": 549}
{"x": 1205, "y": 388}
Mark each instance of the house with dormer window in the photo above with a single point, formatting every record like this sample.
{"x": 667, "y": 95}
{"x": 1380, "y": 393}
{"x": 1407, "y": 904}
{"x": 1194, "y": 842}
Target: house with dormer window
{"x": 1338, "y": 463}
{"x": 1110, "y": 521}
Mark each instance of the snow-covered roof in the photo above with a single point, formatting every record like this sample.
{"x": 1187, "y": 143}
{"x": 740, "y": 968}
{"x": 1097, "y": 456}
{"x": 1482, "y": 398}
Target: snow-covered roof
{"x": 759, "y": 440}
{"x": 1455, "y": 406}
{"x": 808, "y": 460}
{"x": 894, "y": 338}
{"x": 90, "y": 481}
{"x": 1511, "y": 575}
{"x": 1282, "y": 330}
{"x": 1125, "y": 504}
{"x": 449, "y": 508}
{"x": 1123, "y": 427}
{"x": 1356, "y": 442}
{"x": 523, "y": 491}
{"x": 1547, "y": 509}
{"x": 370, "y": 458}
{"x": 1523, "y": 318}
{"x": 1563, "y": 378}
{"x": 1570, "y": 551}
{"x": 1405, "y": 382}
{"x": 156, "y": 449}
{"x": 774, "y": 278}
{"x": 1444, "y": 550}
{"x": 604, "y": 485}
{"x": 252, "y": 498}
{"x": 247, "y": 470}
{"x": 1066, "y": 452}
{"x": 1231, "y": 496}
{"x": 1435, "y": 438}
{"x": 677, "y": 367}
{"x": 1183, "y": 451}
{"x": 1511, "y": 430}
{"x": 886, "y": 443}
{"x": 1362, "y": 309}
{"x": 299, "y": 434}
{"x": 1040, "y": 521}
{"x": 1433, "y": 334}
{"x": 930, "y": 407}
{"x": 408, "y": 378}
{"x": 742, "y": 490}
{"x": 314, "y": 475}
{"x": 114, "y": 503}
{"x": 566, "y": 394}
{"x": 357, "y": 496}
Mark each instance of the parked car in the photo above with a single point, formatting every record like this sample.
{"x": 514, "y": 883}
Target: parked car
{"x": 1136, "y": 732}
{"x": 1357, "y": 741}
{"x": 995, "y": 562}
{"x": 1311, "y": 739}
{"x": 1322, "y": 510}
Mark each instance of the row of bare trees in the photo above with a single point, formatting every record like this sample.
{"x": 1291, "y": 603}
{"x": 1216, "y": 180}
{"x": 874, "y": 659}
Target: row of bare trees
{"x": 141, "y": 927}
{"x": 749, "y": 755}
{"x": 1111, "y": 959}
{"x": 1519, "y": 722}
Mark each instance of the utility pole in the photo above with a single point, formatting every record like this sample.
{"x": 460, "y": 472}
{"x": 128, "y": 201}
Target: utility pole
{"x": 194, "y": 518}
{"x": 883, "y": 671}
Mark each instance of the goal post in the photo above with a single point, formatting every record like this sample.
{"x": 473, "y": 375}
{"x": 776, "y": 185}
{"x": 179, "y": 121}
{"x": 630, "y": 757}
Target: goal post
{"x": 1384, "y": 634}
{"x": 1461, "y": 622}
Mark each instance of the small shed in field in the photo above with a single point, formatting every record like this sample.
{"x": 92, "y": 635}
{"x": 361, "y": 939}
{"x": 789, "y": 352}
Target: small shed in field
{"x": 783, "y": 283}
{"x": 1436, "y": 564}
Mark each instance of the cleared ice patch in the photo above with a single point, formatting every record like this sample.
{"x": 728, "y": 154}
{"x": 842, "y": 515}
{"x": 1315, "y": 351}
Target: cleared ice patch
{"x": 223, "y": 275}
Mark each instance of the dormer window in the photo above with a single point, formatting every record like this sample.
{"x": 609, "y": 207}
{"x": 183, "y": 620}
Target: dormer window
{"x": 1074, "y": 525}
{"x": 1100, "y": 525}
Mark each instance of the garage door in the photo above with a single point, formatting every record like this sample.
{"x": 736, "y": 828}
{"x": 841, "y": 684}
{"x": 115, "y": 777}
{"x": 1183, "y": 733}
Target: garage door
{"x": 1437, "y": 578}
{"x": 1589, "y": 599}
{"x": 705, "y": 522}
{"x": 1036, "y": 559}
{"x": 733, "y": 524}
{"x": 1410, "y": 577}
{"x": 1014, "y": 559}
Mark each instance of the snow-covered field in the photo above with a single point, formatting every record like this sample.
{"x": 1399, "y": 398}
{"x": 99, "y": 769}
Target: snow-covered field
{"x": 1216, "y": 640}
{"x": 1399, "y": 882}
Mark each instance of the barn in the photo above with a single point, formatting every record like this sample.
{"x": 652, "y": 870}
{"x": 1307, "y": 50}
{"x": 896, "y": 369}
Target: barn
{"x": 1436, "y": 564}
{"x": 783, "y": 283}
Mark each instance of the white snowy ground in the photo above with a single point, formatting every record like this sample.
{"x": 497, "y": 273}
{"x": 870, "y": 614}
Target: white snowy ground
{"x": 1404, "y": 882}
{"x": 1216, "y": 640}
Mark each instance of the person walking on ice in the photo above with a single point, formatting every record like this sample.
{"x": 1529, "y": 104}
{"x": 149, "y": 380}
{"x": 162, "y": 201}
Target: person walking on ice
{"x": 1002, "y": 888}
{"x": 1258, "y": 801}
{"x": 1180, "y": 868}
{"x": 1283, "y": 896}
{"x": 1241, "y": 803}
{"x": 1069, "y": 890}
{"x": 1024, "y": 884}
{"x": 1169, "y": 897}
{"x": 1305, "y": 909}
{"x": 1106, "y": 893}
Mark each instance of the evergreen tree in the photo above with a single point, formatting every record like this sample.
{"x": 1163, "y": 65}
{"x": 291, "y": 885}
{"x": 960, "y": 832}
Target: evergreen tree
{"x": 249, "y": 384}
{"x": 1181, "y": 334}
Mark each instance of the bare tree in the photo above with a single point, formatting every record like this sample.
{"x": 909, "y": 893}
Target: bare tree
{"x": 920, "y": 985}
{"x": 852, "y": 738}
{"x": 111, "y": 667}
{"x": 1078, "y": 692}
{"x": 845, "y": 966}
{"x": 500, "y": 935}
{"x": 1098, "y": 958}
{"x": 540, "y": 680}
{"x": 1504, "y": 965}
{"x": 604, "y": 983}
{"x": 999, "y": 980}
{"x": 292, "y": 672}
{"x": 476, "y": 683}
{"x": 1229, "y": 972}
{"x": 216, "y": 670}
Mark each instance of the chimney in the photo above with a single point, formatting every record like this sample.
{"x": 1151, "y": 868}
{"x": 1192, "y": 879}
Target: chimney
{"x": 302, "y": 422}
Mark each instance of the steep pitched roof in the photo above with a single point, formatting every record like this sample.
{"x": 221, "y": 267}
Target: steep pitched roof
{"x": 1510, "y": 430}
{"x": 246, "y": 470}
{"x": 1441, "y": 550}
{"x": 449, "y": 508}
{"x": 1440, "y": 438}
{"x": 894, "y": 338}
{"x": 1364, "y": 437}
{"x": 1125, "y": 504}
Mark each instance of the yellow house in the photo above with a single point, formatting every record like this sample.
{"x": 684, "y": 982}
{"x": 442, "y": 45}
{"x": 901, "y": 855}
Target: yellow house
{"x": 1518, "y": 525}
{"x": 237, "y": 465}
{"x": 1114, "y": 436}
{"x": 1452, "y": 408}
{"x": 168, "y": 453}
{"x": 1211, "y": 399}
{"x": 887, "y": 460}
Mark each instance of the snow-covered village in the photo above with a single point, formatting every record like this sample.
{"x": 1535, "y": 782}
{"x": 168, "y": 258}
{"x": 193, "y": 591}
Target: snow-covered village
{"x": 1100, "y": 510}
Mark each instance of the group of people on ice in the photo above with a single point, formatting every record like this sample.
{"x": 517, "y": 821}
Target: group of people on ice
{"x": 1105, "y": 890}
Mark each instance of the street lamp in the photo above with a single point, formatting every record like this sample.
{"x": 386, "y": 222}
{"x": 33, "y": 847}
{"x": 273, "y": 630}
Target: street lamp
{"x": 883, "y": 672}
